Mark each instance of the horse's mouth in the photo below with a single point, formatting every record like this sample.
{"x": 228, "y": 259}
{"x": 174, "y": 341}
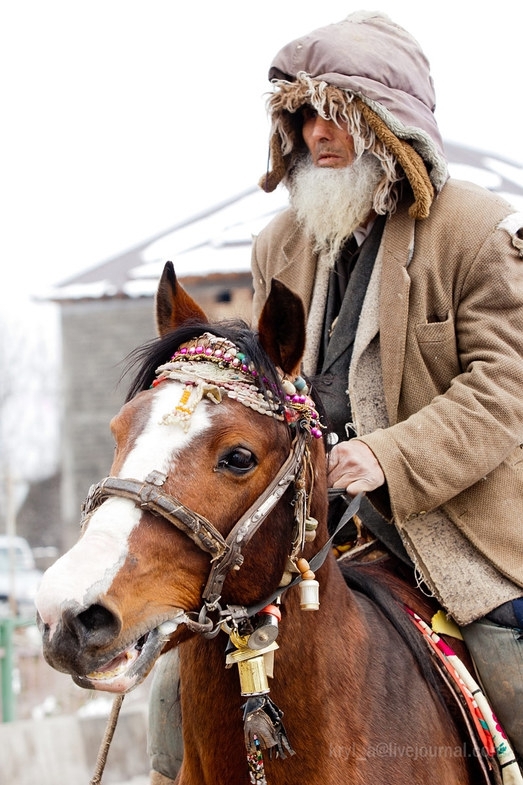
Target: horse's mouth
{"x": 129, "y": 667}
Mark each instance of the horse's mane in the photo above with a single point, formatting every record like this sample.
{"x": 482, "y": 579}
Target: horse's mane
{"x": 144, "y": 360}
{"x": 381, "y": 588}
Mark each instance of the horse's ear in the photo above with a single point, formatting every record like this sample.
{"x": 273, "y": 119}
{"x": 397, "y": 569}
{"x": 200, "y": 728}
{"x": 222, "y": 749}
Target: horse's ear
{"x": 174, "y": 306}
{"x": 282, "y": 328}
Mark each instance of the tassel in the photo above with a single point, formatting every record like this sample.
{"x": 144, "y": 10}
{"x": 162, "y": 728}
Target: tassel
{"x": 263, "y": 727}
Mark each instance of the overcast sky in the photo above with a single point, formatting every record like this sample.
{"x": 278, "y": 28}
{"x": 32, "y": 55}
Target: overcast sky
{"x": 120, "y": 118}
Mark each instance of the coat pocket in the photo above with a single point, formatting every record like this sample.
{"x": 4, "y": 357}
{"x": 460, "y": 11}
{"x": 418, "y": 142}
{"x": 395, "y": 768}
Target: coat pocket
{"x": 438, "y": 347}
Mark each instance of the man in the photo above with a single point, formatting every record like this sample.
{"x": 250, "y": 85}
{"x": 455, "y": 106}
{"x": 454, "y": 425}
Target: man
{"x": 413, "y": 285}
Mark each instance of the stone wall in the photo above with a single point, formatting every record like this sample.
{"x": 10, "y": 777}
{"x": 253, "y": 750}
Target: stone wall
{"x": 63, "y": 750}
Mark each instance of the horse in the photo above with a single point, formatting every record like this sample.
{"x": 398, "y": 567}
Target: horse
{"x": 210, "y": 534}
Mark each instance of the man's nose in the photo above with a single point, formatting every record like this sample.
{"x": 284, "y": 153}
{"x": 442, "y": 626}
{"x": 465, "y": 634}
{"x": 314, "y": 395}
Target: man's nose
{"x": 322, "y": 128}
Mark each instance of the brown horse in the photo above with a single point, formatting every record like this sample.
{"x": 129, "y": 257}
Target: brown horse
{"x": 218, "y": 481}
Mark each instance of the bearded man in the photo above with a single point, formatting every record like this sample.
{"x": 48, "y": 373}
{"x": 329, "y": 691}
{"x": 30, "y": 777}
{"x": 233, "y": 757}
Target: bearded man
{"x": 413, "y": 285}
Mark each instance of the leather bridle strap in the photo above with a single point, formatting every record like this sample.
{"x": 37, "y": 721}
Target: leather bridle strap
{"x": 314, "y": 564}
{"x": 147, "y": 495}
{"x": 251, "y": 520}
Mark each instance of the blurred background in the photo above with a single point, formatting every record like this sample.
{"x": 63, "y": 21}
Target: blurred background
{"x": 134, "y": 133}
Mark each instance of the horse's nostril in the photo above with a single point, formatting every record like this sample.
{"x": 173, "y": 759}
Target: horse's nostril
{"x": 97, "y": 619}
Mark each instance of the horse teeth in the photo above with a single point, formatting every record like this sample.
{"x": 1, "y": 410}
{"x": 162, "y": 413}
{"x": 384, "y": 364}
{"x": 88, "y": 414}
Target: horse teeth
{"x": 109, "y": 674}
{"x": 100, "y": 675}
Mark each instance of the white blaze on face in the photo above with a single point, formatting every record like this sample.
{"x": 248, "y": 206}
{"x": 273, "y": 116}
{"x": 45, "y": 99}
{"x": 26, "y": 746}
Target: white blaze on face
{"x": 89, "y": 568}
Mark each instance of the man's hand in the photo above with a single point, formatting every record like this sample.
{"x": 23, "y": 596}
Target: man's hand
{"x": 353, "y": 466}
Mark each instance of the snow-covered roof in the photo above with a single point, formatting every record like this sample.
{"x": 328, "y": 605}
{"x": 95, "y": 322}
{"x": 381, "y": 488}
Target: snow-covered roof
{"x": 218, "y": 240}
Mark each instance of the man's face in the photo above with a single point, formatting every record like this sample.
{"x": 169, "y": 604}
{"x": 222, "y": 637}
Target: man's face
{"x": 329, "y": 145}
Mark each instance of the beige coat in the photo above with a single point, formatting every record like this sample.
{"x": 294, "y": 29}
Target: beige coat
{"x": 448, "y": 312}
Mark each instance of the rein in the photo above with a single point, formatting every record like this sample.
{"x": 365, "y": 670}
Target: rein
{"x": 317, "y": 560}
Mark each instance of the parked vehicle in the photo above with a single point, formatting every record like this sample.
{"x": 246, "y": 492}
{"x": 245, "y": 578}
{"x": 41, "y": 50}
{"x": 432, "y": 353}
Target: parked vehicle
{"x": 18, "y": 576}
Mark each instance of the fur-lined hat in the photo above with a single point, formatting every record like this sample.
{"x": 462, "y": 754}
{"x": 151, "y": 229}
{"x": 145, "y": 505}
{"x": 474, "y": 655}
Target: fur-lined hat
{"x": 362, "y": 71}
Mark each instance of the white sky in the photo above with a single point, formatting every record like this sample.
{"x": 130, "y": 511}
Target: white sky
{"x": 121, "y": 118}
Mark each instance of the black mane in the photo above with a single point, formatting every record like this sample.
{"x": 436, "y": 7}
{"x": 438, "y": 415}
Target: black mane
{"x": 144, "y": 360}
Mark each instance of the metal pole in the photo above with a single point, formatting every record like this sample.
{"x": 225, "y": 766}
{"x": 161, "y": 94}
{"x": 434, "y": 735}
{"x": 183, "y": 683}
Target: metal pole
{"x": 10, "y": 523}
{"x": 6, "y": 669}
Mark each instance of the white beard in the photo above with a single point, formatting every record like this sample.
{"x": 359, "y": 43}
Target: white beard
{"x": 332, "y": 203}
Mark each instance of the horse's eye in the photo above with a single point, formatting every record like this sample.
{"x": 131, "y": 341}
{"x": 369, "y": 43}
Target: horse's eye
{"x": 238, "y": 460}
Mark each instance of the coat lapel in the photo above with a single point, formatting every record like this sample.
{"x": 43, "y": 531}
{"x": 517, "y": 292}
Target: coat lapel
{"x": 299, "y": 268}
{"x": 390, "y": 275}
{"x": 395, "y": 252}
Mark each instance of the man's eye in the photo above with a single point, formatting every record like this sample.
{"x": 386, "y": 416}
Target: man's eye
{"x": 239, "y": 460}
{"x": 307, "y": 112}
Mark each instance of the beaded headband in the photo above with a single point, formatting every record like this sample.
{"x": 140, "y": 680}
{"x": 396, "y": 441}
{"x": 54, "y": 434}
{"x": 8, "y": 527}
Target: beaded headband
{"x": 213, "y": 367}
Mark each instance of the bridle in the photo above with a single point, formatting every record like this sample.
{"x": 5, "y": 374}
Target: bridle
{"x": 227, "y": 372}
{"x": 212, "y": 367}
{"x": 226, "y": 552}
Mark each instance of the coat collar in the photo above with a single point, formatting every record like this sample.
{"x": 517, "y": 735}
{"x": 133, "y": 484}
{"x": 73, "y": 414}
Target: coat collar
{"x": 299, "y": 267}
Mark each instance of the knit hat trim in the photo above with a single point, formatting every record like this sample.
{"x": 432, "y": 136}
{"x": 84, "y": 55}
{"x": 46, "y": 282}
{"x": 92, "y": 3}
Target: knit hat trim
{"x": 410, "y": 161}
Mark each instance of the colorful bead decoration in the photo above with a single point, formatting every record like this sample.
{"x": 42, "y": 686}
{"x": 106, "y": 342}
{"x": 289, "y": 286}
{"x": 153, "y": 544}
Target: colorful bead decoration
{"x": 210, "y": 366}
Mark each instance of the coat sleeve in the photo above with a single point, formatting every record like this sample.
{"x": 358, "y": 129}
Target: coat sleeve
{"x": 466, "y": 431}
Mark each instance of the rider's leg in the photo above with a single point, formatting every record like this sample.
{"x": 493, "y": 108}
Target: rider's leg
{"x": 165, "y": 721}
{"x": 497, "y": 651}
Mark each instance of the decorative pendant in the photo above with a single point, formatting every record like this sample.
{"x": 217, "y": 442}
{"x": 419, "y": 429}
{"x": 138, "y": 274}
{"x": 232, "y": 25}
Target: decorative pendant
{"x": 309, "y": 587}
{"x": 262, "y": 719}
{"x": 256, "y": 765}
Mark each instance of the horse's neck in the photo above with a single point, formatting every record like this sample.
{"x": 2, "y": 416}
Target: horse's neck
{"x": 312, "y": 650}
{"x": 332, "y": 671}
{"x": 305, "y": 637}
{"x": 301, "y": 631}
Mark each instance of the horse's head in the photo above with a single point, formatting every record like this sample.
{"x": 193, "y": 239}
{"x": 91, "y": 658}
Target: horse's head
{"x": 209, "y": 495}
